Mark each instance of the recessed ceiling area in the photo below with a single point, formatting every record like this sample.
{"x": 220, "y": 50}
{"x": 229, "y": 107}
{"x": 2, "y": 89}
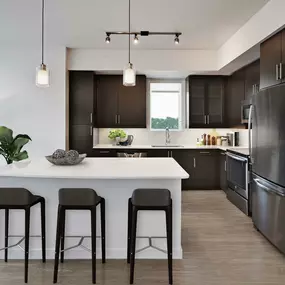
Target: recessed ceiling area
{"x": 205, "y": 24}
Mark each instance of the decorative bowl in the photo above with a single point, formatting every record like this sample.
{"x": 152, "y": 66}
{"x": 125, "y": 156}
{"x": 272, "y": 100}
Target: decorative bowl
{"x": 66, "y": 160}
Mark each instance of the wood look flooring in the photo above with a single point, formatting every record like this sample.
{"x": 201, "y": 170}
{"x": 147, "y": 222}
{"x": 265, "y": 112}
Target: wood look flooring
{"x": 220, "y": 248}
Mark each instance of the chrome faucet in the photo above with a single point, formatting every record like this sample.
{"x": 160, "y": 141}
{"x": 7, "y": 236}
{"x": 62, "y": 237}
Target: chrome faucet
{"x": 167, "y": 136}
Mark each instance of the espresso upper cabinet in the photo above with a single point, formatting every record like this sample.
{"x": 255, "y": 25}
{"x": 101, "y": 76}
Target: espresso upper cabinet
{"x": 107, "y": 101}
{"x": 81, "y": 97}
{"x": 120, "y": 106}
{"x": 206, "y": 101}
{"x": 235, "y": 95}
{"x": 252, "y": 79}
{"x": 132, "y": 104}
{"x": 215, "y": 101}
{"x": 271, "y": 60}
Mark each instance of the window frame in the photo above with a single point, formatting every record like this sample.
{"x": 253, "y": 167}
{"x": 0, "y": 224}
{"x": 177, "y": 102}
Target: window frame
{"x": 182, "y": 102}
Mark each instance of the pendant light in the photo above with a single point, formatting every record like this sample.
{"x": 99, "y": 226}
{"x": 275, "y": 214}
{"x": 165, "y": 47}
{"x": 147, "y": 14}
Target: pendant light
{"x": 129, "y": 76}
{"x": 42, "y": 77}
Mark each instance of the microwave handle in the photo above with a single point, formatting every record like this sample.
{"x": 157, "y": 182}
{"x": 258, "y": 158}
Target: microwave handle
{"x": 249, "y": 131}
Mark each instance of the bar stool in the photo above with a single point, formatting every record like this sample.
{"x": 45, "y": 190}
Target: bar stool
{"x": 22, "y": 199}
{"x": 149, "y": 200}
{"x": 79, "y": 199}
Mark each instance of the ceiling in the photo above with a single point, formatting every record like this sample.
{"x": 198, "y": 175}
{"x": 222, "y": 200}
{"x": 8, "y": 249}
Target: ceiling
{"x": 205, "y": 24}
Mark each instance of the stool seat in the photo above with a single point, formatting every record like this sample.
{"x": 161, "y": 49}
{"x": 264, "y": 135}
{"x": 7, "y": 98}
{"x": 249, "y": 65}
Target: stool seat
{"x": 151, "y": 198}
{"x": 74, "y": 197}
{"x": 17, "y": 198}
{"x": 23, "y": 199}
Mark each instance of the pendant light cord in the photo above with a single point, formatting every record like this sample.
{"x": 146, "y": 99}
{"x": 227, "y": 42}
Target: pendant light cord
{"x": 43, "y": 21}
{"x": 129, "y": 31}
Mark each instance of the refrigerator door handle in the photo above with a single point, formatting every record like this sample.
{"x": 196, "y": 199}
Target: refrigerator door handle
{"x": 271, "y": 190}
{"x": 249, "y": 131}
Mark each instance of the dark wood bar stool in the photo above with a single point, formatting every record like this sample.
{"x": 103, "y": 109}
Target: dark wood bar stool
{"x": 79, "y": 199}
{"x": 22, "y": 199}
{"x": 149, "y": 200}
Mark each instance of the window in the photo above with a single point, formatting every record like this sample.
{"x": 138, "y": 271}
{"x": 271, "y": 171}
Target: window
{"x": 165, "y": 105}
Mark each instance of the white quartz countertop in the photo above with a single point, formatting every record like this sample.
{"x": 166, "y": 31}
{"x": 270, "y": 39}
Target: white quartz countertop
{"x": 110, "y": 146}
{"x": 99, "y": 168}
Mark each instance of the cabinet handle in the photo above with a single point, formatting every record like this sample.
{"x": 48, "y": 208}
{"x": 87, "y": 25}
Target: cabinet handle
{"x": 91, "y": 118}
{"x": 194, "y": 162}
{"x": 205, "y": 152}
{"x": 116, "y": 120}
{"x": 205, "y": 119}
{"x": 208, "y": 119}
{"x": 253, "y": 89}
{"x": 104, "y": 151}
{"x": 225, "y": 165}
{"x": 281, "y": 70}
{"x": 119, "y": 119}
{"x": 91, "y": 130}
{"x": 277, "y": 71}
{"x": 171, "y": 153}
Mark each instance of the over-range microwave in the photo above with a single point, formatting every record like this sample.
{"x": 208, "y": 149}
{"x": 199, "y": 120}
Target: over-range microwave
{"x": 245, "y": 108}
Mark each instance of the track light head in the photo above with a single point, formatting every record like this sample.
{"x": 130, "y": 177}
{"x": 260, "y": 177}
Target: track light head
{"x": 108, "y": 39}
{"x": 176, "y": 39}
{"x": 136, "y": 39}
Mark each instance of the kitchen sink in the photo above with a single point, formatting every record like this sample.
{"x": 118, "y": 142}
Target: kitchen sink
{"x": 167, "y": 145}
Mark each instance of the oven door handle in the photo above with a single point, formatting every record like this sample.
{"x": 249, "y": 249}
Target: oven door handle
{"x": 237, "y": 157}
{"x": 271, "y": 190}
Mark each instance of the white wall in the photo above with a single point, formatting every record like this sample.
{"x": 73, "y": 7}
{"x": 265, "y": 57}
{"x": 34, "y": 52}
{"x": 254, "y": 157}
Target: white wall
{"x": 40, "y": 113}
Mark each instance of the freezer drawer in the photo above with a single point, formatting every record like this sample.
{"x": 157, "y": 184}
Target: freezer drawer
{"x": 268, "y": 210}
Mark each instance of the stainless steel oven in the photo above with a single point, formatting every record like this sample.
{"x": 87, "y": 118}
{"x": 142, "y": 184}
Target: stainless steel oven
{"x": 238, "y": 181}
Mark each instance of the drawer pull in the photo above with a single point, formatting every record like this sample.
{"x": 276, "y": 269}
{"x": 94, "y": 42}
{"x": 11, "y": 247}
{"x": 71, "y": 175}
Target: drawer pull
{"x": 104, "y": 151}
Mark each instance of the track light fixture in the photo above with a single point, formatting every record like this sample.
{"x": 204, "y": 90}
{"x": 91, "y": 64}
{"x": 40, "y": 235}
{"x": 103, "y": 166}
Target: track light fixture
{"x": 108, "y": 39}
{"x": 143, "y": 34}
{"x": 136, "y": 39}
{"x": 176, "y": 39}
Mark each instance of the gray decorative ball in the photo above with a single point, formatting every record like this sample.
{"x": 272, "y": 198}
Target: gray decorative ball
{"x": 59, "y": 153}
{"x": 71, "y": 156}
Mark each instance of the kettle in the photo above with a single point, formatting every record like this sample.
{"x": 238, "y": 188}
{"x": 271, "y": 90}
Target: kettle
{"x": 130, "y": 139}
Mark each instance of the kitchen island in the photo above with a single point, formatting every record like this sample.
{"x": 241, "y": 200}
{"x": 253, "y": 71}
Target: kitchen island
{"x": 112, "y": 178}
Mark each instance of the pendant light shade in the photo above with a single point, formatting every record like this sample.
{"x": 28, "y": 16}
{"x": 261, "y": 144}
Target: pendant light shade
{"x": 42, "y": 75}
{"x": 129, "y": 76}
{"x": 42, "y": 79}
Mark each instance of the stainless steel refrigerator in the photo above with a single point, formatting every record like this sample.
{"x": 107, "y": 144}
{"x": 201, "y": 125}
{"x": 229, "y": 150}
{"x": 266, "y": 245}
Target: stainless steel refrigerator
{"x": 267, "y": 153}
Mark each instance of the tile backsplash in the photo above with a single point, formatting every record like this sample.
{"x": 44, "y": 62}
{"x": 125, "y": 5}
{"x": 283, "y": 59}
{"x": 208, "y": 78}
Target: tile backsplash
{"x": 188, "y": 136}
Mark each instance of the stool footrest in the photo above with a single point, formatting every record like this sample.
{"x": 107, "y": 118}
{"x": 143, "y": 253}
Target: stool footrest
{"x": 150, "y": 243}
{"x": 79, "y": 244}
{"x": 22, "y": 238}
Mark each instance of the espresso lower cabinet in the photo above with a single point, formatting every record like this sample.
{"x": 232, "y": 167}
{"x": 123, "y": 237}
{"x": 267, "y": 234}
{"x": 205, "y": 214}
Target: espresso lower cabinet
{"x": 80, "y": 138}
{"x": 206, "y": 174}
{"x": 223, "y": 172}
{"x": 156, "y": 152}
{"x": 186, "y": 160}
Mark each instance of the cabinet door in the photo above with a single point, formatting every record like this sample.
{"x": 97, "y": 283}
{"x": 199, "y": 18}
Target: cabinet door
{"x": 206, "y": 174}
{"x": 252, "y": 79}
{"x": 223, "y": 172}
{"x": 132, "y": 104}
{"x": 81, "y": 138}
{"x": 215, "y": 102}
{"x": 283, "y": 57}
{"x": 235, "y": 95}
{"x": 186, "y": 161}
{"x": 81, "y": 97}
{"x": 270, "y": 58}
{"x": 197, "y": 102}
{"x": 107, "y": 101}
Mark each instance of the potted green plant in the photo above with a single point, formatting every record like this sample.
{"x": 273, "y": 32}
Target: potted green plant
{"x": 11, "y": 148}
{"x": 117, "y": 135}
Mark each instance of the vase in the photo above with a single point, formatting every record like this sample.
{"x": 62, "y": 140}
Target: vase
{"x": 118, "y": 140}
